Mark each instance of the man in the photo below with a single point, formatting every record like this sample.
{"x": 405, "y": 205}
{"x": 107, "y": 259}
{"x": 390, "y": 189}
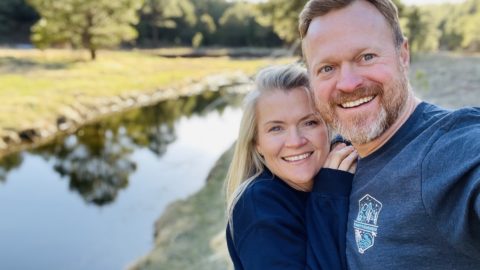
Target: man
{"x": 415, "y": 201}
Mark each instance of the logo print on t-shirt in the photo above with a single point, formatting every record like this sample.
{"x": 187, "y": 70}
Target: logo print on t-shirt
{"x": 366, "y": 223}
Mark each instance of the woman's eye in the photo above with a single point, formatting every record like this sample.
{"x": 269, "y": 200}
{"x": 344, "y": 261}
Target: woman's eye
{"x": 311, "y": 123}
{"x": 368, "y": 56}
{"x": 274, "y": 128}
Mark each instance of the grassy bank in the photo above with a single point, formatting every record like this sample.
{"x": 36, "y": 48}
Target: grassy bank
{"x": 36, "y": 86}
{"x": 190, "y": 234}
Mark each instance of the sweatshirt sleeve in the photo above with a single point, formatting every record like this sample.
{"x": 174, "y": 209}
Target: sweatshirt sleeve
{"x": 269, "y": 231}
{"x": 326, "y": 220}
{"x": 451, "y": 187}
{"x": 273, "y": 230}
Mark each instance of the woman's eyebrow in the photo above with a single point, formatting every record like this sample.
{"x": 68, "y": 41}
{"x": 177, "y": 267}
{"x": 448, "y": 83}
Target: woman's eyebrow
{"x": 273, "y": 122}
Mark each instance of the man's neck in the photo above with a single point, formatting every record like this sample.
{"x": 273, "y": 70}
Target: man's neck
{"x": 370, "y": 147}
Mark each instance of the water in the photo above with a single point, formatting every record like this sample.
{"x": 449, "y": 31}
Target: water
{"x": 90, "y": 200}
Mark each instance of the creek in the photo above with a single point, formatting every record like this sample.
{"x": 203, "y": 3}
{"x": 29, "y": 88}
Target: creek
{"x": 89, "y": 200}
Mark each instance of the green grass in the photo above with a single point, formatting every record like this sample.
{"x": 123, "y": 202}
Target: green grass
{"x": 35, "y": 85}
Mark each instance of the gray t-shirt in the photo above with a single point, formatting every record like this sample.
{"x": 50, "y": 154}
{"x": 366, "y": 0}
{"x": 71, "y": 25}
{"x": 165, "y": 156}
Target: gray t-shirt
{"x": 415, "y": 202}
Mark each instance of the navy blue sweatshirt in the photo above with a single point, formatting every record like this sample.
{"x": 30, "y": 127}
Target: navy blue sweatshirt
{"x": 278, "y": 227}
{"x": 415, "y": 202}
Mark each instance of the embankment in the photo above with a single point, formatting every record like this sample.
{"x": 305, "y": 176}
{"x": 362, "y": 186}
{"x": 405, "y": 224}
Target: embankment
{"x": 190, "y": 234}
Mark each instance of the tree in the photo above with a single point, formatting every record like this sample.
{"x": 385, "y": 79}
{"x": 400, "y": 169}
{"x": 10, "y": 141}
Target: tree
{"x": 167, "y": 14}
{"x": 90, "y": 24}
{"x": 421, "y": 29}
{"x": 16, "y": 18}
{"x": 240, "y": 28}
{"x": 471, "y": 22}
{"x": 282, "y": 15}
{"x": 458, "y": 25}
{"x": 210, "y": 12}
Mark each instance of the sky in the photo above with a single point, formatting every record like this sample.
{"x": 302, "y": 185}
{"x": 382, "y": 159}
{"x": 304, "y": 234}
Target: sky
{"x": 423, "y": 2}
{"x": 407, "y": 2}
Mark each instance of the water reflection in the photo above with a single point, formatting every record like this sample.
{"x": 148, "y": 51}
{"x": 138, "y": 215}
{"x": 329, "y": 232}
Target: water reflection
{"x": 9, "y": 163}
{"x": 97, "y": 159}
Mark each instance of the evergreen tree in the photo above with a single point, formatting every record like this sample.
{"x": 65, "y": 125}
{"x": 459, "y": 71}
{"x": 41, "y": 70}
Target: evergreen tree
{"x": 158, "y": 15}
{"x": 16, "y": 18}
{"x": 90, "y": 24}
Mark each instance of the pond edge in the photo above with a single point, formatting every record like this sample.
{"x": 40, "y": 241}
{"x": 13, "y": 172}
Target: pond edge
{"x": 74, "y": 116}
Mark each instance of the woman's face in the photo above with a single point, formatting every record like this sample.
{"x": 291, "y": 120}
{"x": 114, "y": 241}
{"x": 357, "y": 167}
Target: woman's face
{"x": 291, "y": 137}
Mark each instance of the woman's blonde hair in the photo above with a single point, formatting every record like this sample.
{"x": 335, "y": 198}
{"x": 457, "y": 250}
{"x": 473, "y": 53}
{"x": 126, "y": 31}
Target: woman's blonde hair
{"x": 247, "y": 163}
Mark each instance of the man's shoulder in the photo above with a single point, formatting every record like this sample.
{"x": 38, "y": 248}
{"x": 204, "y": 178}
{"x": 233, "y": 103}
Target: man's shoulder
{"x": 468, "y": 116}
{"x": 455, "y": 141}
{"x": 447, "y": 120}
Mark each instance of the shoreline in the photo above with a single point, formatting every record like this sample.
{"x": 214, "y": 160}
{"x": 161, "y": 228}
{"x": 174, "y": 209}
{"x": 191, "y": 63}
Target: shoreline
{"x": 77, "y": 115}
{"x": 190, "y": 234}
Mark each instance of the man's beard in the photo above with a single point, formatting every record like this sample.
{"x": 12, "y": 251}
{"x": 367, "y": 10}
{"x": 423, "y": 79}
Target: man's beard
{"x": 357, "y": 129}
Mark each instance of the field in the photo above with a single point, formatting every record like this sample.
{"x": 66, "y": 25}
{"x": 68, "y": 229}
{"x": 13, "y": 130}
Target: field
{"x": 447, "y": 79}
{"x": 37, "y": 86}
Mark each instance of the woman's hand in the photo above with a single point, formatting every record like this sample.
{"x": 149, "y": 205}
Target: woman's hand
{"x": 342, "y": 157}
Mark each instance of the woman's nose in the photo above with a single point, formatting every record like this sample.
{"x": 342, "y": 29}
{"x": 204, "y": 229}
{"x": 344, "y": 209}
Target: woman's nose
{"x": 295, "y": 138}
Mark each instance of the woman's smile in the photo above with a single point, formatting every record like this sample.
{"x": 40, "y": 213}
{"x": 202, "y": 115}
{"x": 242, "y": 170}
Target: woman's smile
{"x": 299, "y": 157}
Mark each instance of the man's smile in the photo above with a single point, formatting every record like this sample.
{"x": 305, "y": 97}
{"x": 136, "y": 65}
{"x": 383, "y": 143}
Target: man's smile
{"x": 356, "y": 103}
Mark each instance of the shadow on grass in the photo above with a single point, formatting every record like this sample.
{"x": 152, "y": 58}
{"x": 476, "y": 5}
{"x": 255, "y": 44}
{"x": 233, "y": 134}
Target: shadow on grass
{"x": 9, "y": 64}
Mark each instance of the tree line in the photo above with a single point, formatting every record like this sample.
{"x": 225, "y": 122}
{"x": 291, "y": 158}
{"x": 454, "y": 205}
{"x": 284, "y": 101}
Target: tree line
{"x": 94, "y": 24}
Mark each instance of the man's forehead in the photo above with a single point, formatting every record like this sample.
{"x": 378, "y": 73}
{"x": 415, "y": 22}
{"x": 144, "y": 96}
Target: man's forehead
{"x": 354, "y": 26}
{"x": 359, "y": 14}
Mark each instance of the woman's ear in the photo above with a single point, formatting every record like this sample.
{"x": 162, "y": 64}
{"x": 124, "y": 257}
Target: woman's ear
{"x": 257, "y": 148}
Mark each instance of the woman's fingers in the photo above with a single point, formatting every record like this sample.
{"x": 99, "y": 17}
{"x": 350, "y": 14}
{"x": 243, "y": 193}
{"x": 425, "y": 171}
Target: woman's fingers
{"x": 337, "y": 156}
{"x": 348, "y": 161}
{"x": 353, "y": 168}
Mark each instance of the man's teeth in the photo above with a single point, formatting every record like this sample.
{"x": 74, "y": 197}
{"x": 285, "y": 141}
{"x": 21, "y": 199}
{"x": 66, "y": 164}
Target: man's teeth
{"x": 296, "y": 158}
{"x": 357, "y": 102}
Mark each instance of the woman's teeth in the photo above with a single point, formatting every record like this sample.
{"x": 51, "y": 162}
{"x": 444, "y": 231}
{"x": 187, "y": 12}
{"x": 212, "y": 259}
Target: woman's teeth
{"x": 299, "y": 157}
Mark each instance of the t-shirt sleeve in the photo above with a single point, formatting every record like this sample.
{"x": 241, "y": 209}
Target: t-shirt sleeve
{"x": 451, "y": 187}
{"x": 326, "y": 220}
{"x": 268, "y": 235}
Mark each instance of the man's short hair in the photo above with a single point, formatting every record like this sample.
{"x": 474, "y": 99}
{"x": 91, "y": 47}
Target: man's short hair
{"x": 316, "y": 8}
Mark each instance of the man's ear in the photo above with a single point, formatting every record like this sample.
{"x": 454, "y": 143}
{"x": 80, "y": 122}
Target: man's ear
{"x": 404, "y": 54}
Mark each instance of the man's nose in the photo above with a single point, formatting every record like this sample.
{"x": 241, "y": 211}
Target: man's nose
{"x": 349, "y": 79}
{"x": 295, "y": 138}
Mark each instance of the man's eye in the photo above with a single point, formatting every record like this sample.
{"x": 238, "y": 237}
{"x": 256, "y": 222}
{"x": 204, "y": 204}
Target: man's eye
{"x": 326, "y": 69}
{"x": 311, "y": 123}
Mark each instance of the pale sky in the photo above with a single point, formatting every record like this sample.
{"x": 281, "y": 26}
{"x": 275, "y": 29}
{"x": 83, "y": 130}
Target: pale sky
{"x": 423, "y": 2}
{"x": 407, "y": 2}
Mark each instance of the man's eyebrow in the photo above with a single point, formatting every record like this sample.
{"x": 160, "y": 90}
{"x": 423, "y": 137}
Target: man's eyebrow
{"x": 332, "y": 58}
{"x": 307, "y": 116}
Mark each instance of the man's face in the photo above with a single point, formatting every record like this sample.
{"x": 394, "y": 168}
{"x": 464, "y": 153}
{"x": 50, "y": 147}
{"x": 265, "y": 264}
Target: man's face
{"x": 357, "y": 73}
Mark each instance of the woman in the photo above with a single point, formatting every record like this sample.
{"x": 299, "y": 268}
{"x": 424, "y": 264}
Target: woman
{"x": 281, "y": 147}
